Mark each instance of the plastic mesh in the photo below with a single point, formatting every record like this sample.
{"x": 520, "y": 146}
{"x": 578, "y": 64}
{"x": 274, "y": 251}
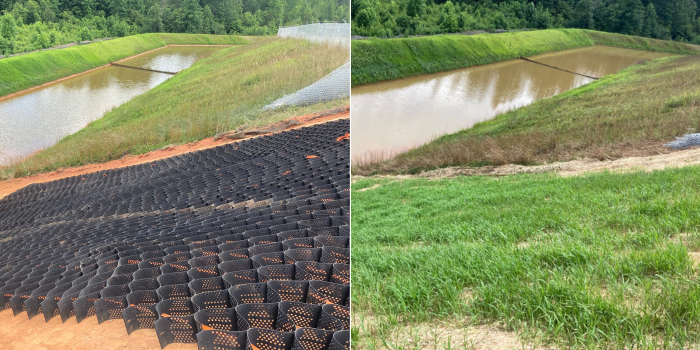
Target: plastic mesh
{"x": 685, "y": 141}
{"x": 333, "y": 86}
{"x": 334, "y": 33}
{"x": 206, "y": 231}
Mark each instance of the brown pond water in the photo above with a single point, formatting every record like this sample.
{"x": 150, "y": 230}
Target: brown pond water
{"x": 38, "y": 119}
{"x": 393, "y": 116}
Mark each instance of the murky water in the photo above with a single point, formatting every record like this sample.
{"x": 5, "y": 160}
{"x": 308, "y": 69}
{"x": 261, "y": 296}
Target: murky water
{"x": 390, "y": 117}
{"x": 38, "y": 119}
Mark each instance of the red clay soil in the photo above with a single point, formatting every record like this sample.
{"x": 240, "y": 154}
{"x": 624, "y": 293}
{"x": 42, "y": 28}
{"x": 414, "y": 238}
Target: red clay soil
{"x": 21, "y": 333}
{"x": 12, "y": 185}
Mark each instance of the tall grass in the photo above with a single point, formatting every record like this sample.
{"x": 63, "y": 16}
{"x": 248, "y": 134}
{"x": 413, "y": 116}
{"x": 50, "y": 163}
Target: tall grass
{"x": 631, "y": 113}
{"x": 22, "y": 72}
{"x": 217, "y": 93}
{"x": 603, "y": 261}
{"x": 384, "y": 59}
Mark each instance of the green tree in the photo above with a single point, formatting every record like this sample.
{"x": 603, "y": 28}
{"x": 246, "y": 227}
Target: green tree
{"x": 415, "y": 8}
{"x": 89, "y": 7}
{"x": 366, "y": 13}
{"x": 20, "y": 12}
{"x": 53, "y": 38}
{"x": 650, "y": 25}
{"x": 192, "y": 16}
{"x": 277, "y": 11}
{"x": 305, "y": 12}
{"x": 583, "y": 15}
{"x": 117, "y": 7}
{"x": 448, "y": 20}
{"x": 40, "y": 38}
{"x": 208, "y": 22}
{"x": 154, "y": 20}
{"x": 48, "y": 10}
{"x": 8, "y": 27}
{"x": 85, "y": 34}
{"x": 632, "y": 17}
{"x": 682, "y": 16}
{"x": 33, "y": 15}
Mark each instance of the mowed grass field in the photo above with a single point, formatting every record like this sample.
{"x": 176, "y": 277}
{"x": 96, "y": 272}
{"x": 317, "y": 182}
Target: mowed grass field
{"x": 25, "y": 71}
{"x": 632, "y": 113}
{"x": 591, "y": 262}
{"x": 376, "y": 60}
{"x": 218, "y": 93}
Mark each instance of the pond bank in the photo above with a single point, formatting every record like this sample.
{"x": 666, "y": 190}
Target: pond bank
{"x": 386, "y": 59}
{"x": 30, "y": 70}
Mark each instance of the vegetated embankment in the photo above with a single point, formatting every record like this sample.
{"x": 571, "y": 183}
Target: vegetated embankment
{"x": 219, "y": 93}
{"x": 602, "y": 261}
{"x": 25, "y": 71}
{"x": 376, "y": 60}
{"x": 631, "y": 113}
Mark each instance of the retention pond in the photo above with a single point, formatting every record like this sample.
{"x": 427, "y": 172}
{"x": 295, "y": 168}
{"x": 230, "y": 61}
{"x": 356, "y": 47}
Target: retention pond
{"x": 393, "y": 116}
{"x": 39, "y": 118}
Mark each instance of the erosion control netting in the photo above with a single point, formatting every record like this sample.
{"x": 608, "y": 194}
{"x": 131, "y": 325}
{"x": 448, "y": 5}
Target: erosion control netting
{"x": 333, "y": 33}
{"x": 334, "y": 85}
{"x": 685, "y": 141}
{"x": 241, "y": 246}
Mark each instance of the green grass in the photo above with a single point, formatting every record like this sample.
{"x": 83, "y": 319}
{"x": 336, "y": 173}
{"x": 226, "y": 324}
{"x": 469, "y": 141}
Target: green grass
{"x": 218, "y": 93}
{"x": 632, "y": 113}
{"x": 24, "y": 71}
{"x": 600, "y": 261}
{"x": 376, "y": 60}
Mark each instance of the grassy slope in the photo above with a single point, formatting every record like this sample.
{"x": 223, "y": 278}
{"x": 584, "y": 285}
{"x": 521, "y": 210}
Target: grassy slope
{"x": 217, "y": 93}
{"x": 21, "y": 72}
{"x": 384, "y": 59}
{"x": 631, "y": 113}
{"x": 599, "y": 261}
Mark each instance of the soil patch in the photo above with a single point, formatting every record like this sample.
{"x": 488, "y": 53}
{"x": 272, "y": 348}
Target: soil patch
{"x": 459, "y": 335}
{"x": 20, "y": 333}
{"x": 12, "y": 185}
{"x": 571, "y": 168}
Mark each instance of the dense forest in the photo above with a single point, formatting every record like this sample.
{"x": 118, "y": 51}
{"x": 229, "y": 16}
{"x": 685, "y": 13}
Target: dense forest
{"x": 662, "y": 19}
{"x": 27, "y": 25}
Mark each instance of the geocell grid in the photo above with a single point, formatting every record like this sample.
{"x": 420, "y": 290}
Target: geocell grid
{"x": 240, "y": 246}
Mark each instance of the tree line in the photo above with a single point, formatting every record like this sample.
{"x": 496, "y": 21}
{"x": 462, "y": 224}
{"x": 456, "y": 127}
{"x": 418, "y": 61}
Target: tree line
{"x": 27, "y": 25}
{"x": 661, "y": 19}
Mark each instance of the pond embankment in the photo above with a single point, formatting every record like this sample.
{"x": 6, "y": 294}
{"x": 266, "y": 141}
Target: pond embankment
{"x": 385, "y": 59}
{"x": 34, "y": 69}
{"x": 397, "y": 115}
{"x": 219, "y": 93}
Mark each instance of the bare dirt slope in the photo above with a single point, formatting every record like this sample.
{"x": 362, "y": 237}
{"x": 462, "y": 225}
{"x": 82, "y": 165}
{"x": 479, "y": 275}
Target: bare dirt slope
{"x": 21, "y": 333}
{"x": 571, "y": 168}
{"x": 12, "y": 185}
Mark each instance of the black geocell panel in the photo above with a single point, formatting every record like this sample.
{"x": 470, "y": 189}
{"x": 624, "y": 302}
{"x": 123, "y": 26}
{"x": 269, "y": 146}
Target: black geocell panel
{"x": 239, "y": 246}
